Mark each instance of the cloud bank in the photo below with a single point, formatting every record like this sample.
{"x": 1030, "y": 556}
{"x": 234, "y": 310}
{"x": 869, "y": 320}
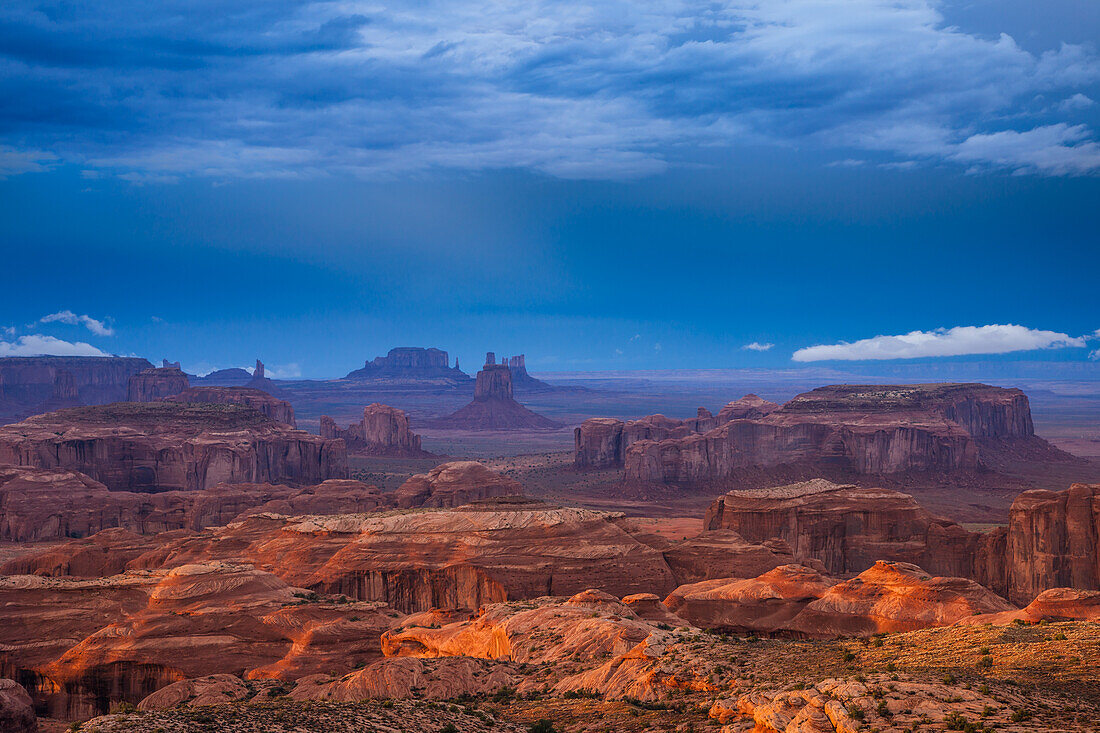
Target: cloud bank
{"x": 39, "y": 345}
{"x": 152, "y": 92}
{"x": 958, "y": 341}
{"x": 98, "y": 327}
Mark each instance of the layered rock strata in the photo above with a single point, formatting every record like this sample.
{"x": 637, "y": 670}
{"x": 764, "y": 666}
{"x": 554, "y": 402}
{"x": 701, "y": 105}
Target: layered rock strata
{"x": 278, "y": 410}
{"x": 150, "y": 385}
{"x": 383, "y": 431}
{"x": 30, "y": 385}
{"x": 454, "y": 484}
{"x": 164, "y": 446}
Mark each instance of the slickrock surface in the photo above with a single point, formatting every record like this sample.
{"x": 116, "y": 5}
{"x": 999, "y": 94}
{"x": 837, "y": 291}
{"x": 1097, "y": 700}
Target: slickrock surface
{"x": 278, "y": 410}
{"x": 894, "y": 596}
{"x": 454, "y": 484}
{"x": 30, "y": 385}
{"x": 43, "y": 504}
{"x": 1056, "y": 604}
{"x": 847, "y": 528}
{"x": 150, "y": 385}
{"x": 162, "y": 446}
{"x": 859, "y": 430}
{"x": 383, "y": 431}
{"x": 16, "y": 709}
{"x": 763, "y": 604}
{"x": 493, "y": 407}
{"x": 82, "y": 644}
{"x": 440, "y": 679}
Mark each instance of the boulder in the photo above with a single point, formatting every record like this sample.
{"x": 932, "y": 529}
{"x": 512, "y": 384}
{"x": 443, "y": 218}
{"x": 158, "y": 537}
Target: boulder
{"x": 16, "y": 709}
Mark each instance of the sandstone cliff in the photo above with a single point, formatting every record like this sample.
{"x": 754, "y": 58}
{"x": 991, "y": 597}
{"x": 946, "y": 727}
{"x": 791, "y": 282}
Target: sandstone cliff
{"x": 150, "y": 385}
{"x": 274, "y": 408}
{"x": 31, "y": 385}
{"x": 383, "y": 431}
{"x": 412, "y": 366}
{"x": 454, "y": 484}
{"x": 162, "y": 446}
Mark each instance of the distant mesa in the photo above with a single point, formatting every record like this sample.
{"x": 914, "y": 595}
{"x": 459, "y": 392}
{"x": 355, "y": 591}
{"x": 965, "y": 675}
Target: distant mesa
{"x": 161, "y": 446}
{"x": 412, "y": 366}
{"x": 383, "y": 431}
{"x": 493, "y": 406}
{"x": 30, "y": 385}
{"x": 521, "y": 380}
{"x": 278, "y": 410}
{"x": 843, "y": 430}
{"x": 234, "y": 377}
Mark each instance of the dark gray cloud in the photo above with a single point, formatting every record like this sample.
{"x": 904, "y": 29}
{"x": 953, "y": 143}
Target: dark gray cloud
{"x": 155, "y": 91}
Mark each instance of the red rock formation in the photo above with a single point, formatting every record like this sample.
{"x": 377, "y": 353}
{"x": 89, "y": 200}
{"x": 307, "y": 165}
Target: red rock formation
{"x": 16, "y": 709}
{"x": 1052, "y": 541}
{"x": 36, "y": 384}
{"x": 214, "y": 689}
{"x": 1056, "y": 604}
{"x": 722, "y": 553}
{"x": 894, "y": 596}
{"x": 454, "y": 484}
{"x": 598, "y": 443}
{"x": 415, "y": 560}
{"x": 41, "y": 504}
{"x": 276, "y": 409}
{"x": 383, "y": 431}
{"x": 162, "y": 446}
{"x": 749, "y": 407}
{"x": 99, "y": 642}
{"x": 847, "y": 528}
{"x": 763, "y": 604}
{"x": 855, "y": 429}
{"x": 404, "y": 677}
{"x": 150, "y": 385}
{"x": 493, "y": 407}
{"x": 412, "y": 367}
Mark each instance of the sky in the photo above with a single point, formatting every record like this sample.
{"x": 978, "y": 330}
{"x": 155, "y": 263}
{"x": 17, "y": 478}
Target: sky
{"x": 614, "y": 185}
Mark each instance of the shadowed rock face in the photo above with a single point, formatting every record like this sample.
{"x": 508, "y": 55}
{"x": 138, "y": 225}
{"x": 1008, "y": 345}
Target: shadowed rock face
{"x": 150, "y": 385}
{"x": 412, "y": 366}
{"x": 383, "y": 431}
{"x": 454, "y": 484}
{"x": 16, "y": 709}
{"x": 163, "y": 446}
{"x": 42, "y": 504}
{"x": 847, "y": 528}
{"x": 278, "y": 410}
{"x": 30, "y": 385}
{"x": 493, "y": 407}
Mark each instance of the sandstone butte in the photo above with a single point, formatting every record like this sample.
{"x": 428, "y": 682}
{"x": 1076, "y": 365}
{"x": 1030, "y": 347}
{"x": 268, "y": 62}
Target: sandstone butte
{"x": 383, "y": 431}
{"x": 161, "y": 446}
{"x": 493, "y": 406}
{"x": 278, "y": 410}
{"x": 858, "y": 430}
{"x": 413, "y": 367}
{"x": 156, "y": 383}
{"x": 454, "y": 484}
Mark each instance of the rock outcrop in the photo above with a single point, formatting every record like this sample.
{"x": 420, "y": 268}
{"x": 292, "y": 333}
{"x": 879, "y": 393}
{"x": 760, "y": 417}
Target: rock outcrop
{"x": 278, "y": 410}
{"x": 150, "y": 385}
{"x": 162, "y": 446}
{"x": 722, "y": 553}
{"x": 383, "y": 431}
{"x": 232, "y": 377}
{"x": 454, "y": 484}
{"x": 412, "y": 560}
{"x": 412, "y": 366}
{"x": 847, "y": 528}
{"x": 894, "y": 596}
{"x": 1056, "y": 604}
{"x": 16, "y": 709}
{"x": 30, "y": 385}
{"x": 99, "y": 642}
{"x": 521, "y": 380}
{"x": 46, "y": 504}
{"x": 494, "y": 407}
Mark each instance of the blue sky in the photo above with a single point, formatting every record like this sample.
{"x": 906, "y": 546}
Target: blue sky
{"x": 618, "y": 185}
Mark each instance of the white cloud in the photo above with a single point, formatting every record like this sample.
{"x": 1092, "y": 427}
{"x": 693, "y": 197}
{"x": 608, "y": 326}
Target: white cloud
{"x": 635, "y": 337}
{"x": 958, "y": 341}
{"x": 39, "y": 345}
{"x": 99, "y": 328}
{"x": 757, "y": 346}
{"x": 13, "y": 161}
{"x": 1076, "y": 102}
{"x": 1095, "y": 355}
{"x": 1052, "y": 150}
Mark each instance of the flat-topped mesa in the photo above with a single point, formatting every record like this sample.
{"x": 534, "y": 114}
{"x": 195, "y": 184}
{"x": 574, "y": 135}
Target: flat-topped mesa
{"x": 454, "y": 484}
{"x": 855, "y": 430}
{"x": 162, "y": 446}
{"x": 383, "y": 431}
{"x": 274, "y": 408}
{"x": 34, "y": 384}
{"x": 601, "y": 442}
{"x": 412, "y": 365}
{"x": 493, "y": 407}
{"x": 847, "y": 528}
{"x": 150, "y": 385}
